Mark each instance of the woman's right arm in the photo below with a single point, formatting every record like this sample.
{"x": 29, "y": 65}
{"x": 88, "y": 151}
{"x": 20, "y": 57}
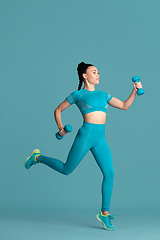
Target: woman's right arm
{"x": 57, "y": 114}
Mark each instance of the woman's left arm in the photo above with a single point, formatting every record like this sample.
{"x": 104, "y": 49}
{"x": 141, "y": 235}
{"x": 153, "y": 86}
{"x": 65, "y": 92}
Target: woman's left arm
{"x": 114, "y": 102}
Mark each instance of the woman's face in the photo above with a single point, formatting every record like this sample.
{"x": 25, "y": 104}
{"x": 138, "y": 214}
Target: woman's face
{"x": 92, "y": 75}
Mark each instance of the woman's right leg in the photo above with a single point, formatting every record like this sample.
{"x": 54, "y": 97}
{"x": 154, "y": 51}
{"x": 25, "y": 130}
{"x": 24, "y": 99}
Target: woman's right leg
{"x": 79, "y": 149}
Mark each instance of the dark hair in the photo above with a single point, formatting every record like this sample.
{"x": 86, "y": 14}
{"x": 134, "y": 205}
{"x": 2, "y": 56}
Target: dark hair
{"x": 82, "y": 68}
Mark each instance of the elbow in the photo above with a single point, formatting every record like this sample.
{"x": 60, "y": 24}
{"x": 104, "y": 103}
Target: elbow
{"x": 55, "y": 112}
{"x": 125, "y": 108}
{"x": 57, "y": 109}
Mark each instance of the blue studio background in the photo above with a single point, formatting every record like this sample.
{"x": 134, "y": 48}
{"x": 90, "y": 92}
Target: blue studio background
{"x": 41, "y": 44}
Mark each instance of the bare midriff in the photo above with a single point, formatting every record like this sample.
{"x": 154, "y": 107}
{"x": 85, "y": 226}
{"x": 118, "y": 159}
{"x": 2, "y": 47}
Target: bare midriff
{"x": 97, "y": 117}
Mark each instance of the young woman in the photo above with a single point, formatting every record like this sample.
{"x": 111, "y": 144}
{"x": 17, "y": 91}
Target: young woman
{"x": 93, "y": 105}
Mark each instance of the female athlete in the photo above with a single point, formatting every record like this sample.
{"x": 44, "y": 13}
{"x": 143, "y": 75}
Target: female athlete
{"x": 93, "y": 105}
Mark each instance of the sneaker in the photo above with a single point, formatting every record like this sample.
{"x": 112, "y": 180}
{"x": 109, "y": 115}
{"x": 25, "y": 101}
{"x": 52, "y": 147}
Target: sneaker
{"x": 31, "y": 160}
{"x": 106, "y": 220}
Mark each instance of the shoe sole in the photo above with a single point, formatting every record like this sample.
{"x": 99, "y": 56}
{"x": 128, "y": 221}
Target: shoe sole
{"x": 104, "y": 224}
{"x": 34, "y": 151}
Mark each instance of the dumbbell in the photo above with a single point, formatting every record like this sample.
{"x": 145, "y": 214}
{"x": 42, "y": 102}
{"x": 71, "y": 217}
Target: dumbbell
{"x": 67, "y": 128}
{"x": 140, "y": 90}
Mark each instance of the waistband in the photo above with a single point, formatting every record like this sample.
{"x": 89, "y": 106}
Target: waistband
{"x": 94, "y": 127}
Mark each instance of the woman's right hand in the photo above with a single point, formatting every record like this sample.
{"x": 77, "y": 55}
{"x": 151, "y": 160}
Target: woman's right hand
{"x": 62, "y": 132}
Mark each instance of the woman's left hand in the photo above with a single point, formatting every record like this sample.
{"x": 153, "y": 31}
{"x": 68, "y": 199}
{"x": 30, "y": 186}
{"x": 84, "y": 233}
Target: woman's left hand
{"x": 137, "y": 85}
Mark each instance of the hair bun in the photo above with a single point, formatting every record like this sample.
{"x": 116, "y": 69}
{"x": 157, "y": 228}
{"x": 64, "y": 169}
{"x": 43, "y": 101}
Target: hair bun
{"x": 81, "y": 65}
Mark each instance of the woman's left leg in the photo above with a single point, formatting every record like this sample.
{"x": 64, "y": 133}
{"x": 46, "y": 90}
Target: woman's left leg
{"x": 103, "y": 157}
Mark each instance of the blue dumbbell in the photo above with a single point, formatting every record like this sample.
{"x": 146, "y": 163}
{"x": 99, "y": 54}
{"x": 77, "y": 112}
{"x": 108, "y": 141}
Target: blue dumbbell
{"x": 140, "y": 90}
{"x": 67, "y": 128}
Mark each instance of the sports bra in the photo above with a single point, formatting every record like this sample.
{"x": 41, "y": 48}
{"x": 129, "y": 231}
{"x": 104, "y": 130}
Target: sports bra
{"x": 89, "y": 101}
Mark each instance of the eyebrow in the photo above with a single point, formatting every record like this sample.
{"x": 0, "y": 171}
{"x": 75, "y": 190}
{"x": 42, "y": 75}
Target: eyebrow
{"x": 95, "y": 70}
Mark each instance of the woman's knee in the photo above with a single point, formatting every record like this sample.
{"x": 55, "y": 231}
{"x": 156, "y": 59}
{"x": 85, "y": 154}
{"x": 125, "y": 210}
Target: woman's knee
{"x": 67, "y": 171}
{"x": 109, "y": 173}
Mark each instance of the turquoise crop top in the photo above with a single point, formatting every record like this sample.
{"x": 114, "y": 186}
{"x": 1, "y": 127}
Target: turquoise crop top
{"x": 89, "y": 101}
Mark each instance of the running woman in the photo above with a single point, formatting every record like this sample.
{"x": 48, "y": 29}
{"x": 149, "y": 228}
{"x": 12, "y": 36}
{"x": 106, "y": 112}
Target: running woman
{"x": 93, "y": 104}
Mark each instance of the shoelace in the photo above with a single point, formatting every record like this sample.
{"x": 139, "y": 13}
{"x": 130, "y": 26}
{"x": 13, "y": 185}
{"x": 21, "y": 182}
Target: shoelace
{"x": 111, "y": 216}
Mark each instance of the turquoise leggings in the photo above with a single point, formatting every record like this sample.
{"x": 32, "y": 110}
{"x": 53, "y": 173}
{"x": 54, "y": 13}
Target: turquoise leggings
{"x": 91, "y": 137}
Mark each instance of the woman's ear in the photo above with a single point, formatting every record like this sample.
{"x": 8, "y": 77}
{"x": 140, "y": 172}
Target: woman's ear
{"x": 84, "y": 75}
